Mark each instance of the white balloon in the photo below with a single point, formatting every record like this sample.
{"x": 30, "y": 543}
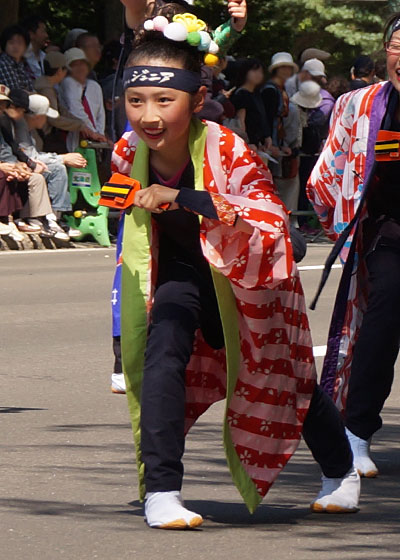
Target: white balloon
{"x": 213, "y": 48}
{"x": 176, "y": 31}
{"x": 149, "y": 25}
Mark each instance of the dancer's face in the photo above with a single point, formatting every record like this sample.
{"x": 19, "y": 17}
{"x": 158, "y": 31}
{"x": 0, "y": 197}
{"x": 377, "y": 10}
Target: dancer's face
{"x": 393, "y": 60}
{"x": 161, "y": 116}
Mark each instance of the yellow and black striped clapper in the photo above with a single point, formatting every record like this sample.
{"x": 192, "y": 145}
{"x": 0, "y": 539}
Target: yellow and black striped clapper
{"x": 387, "y": 147}
{"x": 119, "y": 192}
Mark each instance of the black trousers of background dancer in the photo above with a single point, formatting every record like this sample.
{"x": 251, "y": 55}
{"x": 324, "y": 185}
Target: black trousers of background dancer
{"x": 184, "y": 302}
{"x": 377, "y": 347}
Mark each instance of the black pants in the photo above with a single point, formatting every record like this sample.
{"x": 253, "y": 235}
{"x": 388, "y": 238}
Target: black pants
{"x": 307, "y": 164}
{"x": 377, "y": 347}
{"x": 181, "y": 305}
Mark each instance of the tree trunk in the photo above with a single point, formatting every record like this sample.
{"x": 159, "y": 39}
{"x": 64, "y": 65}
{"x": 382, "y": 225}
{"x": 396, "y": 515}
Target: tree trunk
{"x": 9, "y": 13}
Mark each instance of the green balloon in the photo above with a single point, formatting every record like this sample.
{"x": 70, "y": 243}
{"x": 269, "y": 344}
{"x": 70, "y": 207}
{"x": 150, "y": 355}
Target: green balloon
{"x": 194, "y": 38}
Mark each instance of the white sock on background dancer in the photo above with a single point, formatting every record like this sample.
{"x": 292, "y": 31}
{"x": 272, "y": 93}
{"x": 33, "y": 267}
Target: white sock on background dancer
{"x": 339, "y": 495}
{"x": 165, "y": 510}
{"x": 362, "y": 458}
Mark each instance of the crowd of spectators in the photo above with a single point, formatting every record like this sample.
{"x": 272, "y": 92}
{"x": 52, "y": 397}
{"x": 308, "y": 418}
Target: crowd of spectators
{"x": 50, "y": 99}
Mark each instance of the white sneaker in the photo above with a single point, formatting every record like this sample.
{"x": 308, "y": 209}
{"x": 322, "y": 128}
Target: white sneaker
{"x": 58, "y": 231}
{"x": 72, "y": 232}
{"x": 5, "y": 229}
{"x": 15, "y": 233}
{"x": 339, "y": 495}
{"x": 362, "y": 458}
{"x": 165, "y": 510}
{"x": 118, "y": 384}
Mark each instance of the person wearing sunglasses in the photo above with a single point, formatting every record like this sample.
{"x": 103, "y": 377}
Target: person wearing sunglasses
{"x": 355, "y": 190}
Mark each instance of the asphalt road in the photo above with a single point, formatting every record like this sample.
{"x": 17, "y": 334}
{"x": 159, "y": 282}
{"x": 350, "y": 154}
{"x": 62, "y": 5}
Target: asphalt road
{"x": 67, "y": 476}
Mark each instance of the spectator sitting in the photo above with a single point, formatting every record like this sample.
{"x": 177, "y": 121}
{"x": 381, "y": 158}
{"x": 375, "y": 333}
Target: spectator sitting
{"x": 363, "y": 73}
{"x": 39, "y": 38}
{"x": 82, "y": 96}
{"x": 30, "y": 113}
{"x": 14, "y": 71}
{"x": 55, "y": 70}
{"x": 22, "y": 183}
{"x": 92, "y": 48}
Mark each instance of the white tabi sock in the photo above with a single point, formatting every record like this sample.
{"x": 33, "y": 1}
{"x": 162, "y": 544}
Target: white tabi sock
{"x": 362, "y": 458}
{"x": 339, "y": 495}
{"x": 165, "y": 510}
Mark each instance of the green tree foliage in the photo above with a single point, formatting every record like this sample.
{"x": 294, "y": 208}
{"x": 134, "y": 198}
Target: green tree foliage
{"x": 346, "y": 29}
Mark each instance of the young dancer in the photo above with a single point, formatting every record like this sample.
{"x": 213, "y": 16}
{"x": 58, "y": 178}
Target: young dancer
{"x": 212, "y": 305}
{"x": 358, "y": 203}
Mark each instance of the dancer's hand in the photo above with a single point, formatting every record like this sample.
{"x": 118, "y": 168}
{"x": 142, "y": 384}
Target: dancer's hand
{"x": 238, "y": 12}
{"x": 153, "y": 197}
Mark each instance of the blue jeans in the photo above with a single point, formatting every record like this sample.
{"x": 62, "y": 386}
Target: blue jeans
{"x": 57, "y": 185}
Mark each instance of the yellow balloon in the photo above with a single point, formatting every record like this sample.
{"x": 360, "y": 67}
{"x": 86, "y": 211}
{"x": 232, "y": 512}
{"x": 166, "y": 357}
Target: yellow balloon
{"x": 211, "y": 60}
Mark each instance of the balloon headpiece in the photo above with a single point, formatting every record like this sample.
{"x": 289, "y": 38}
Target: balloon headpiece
{"x": 186, "y": 27}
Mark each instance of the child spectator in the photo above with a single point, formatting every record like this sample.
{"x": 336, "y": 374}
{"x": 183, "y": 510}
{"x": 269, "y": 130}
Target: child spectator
{"x": 82, "y": 96}
{"x": 14, "y": 70}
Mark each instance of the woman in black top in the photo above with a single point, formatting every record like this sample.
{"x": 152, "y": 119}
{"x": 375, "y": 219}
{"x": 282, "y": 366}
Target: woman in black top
{"x": 248, "y": 102}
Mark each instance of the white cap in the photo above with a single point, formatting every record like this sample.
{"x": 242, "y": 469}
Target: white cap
{"x": 308, "y": 96}
{"x": 74, "y": 54}
{"x": 40, "y": 105}
{"x": 314, "y": 67}
{"x": 282, "y": 59}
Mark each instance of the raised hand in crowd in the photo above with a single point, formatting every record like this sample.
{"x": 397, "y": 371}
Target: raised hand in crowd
{"x": 238, "y": 11}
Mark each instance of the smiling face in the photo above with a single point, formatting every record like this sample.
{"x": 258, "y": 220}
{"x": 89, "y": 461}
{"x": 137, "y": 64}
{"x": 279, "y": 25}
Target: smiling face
{"x": 161, "y": 116}
{"x": 393, "y": 61}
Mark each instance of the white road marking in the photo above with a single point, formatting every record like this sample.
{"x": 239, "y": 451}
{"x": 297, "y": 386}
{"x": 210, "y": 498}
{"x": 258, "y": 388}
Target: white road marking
{"x": 319, "y": 351}
{"x": 317, "y": 267}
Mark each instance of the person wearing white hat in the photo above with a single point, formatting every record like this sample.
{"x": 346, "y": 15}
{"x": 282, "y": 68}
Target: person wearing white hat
{"x": 82, "y": 97}
{"x": 312, "y": 121}
{"x": 276, "y": 103}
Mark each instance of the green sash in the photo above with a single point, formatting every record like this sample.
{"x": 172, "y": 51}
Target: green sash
{"x": 135, "y": 286}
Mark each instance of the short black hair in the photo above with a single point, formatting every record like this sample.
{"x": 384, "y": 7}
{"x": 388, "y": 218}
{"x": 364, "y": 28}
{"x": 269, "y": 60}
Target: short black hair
{"x": 152, "y": 44}
{"x": 244, "y": 67}
{"x": 363, "y": 66}
{"x": 9, "y": 32}
{"x": 32, "y": 23}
